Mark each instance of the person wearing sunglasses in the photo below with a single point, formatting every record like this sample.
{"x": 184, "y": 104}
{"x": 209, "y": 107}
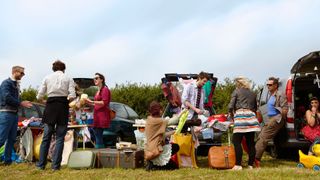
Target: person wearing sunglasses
{"x": 60, "y": 90}
{"x": 277, "y": 109}
{"x": 9, "y": 104}
{"x": 311, "y": 131}
{"x": 101, "y": 112}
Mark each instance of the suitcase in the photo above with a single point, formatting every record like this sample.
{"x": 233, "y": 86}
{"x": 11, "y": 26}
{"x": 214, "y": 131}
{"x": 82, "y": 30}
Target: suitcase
{"x": 222, "y": 157}
{"x": 81, "y": 160}
{"x": 113, "y": 158}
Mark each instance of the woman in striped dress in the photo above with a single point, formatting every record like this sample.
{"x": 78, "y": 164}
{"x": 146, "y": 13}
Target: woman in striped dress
{"x": 242, "y": 108}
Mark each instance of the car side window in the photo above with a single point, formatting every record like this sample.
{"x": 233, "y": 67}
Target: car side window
{"x": 41, "y": 108}
{"x": 20, "y": 113}
{"x": 120, "y": 110}
{"x": 31, "y": 112}
{"x": 131, "y": 112}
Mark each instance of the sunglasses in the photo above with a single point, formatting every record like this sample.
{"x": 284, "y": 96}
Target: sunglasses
{"x": 96, "y": 78}
{"x": 269, "y": 84}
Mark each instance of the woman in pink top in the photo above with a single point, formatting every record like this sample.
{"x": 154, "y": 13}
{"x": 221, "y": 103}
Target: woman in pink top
{"x": 101, "y": 114}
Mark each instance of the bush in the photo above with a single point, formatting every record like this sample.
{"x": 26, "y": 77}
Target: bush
{"x": 138, "y": 96}
{"x": 29, "y": 94}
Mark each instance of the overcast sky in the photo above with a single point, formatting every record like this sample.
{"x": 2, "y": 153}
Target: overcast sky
{"x": 140, "y": 40}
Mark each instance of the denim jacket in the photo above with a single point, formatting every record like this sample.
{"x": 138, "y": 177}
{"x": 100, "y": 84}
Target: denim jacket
{"x": 9, "y": 95}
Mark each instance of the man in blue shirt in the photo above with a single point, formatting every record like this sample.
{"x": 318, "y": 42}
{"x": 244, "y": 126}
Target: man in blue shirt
{"x": 277, "y": 111}
{"x": 9, "y": 104}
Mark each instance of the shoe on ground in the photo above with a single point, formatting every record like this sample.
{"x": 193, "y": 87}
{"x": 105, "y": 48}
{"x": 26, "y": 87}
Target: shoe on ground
{"x": 237, "y": 168}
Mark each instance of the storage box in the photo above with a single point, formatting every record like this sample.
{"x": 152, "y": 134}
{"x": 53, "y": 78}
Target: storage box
{"x": 113, "y": 158}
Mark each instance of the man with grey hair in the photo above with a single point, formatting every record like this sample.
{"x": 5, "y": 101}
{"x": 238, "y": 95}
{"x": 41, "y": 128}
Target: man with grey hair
{"x": 277, "y": 112}
{"x": 9, "y": 104}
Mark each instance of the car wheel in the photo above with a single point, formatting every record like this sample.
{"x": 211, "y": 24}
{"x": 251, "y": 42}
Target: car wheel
{"x": 316, "y": 168}
{"x": 300, "y": 165}
{"x": 277, "y": 152}
{"x": 274, "y": 152}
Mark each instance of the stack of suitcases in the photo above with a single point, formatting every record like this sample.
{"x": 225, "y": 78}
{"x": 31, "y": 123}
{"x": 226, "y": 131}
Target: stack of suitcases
{"x": 114, "y": 158}
{"x": 106, "y": 158}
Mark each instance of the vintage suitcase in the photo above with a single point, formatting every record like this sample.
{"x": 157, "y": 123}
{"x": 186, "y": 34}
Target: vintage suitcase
{"x": 81, "y": 159}
{"x": 113, "y": 158}
{"x": 221, "y": 157}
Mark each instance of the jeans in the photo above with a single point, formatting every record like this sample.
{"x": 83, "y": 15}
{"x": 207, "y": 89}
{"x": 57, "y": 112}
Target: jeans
{"x": 8, "y": 133}
{"x": 98, "y": 133}
{"x": 61, "y": 131}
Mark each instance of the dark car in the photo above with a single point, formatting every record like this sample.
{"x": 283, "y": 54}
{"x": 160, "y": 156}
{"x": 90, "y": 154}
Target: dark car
{"x": 174, "y": 79}
{"x": 302, "y": 84}
{"x": 36, "y": 110}
{"x": 121, "y": 128}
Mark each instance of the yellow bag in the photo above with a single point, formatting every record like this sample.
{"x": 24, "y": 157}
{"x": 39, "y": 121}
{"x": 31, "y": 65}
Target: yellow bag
{"x": 185, "y": 143}
{"x": 186, "y": 148}
{"x": 36, "y": 146}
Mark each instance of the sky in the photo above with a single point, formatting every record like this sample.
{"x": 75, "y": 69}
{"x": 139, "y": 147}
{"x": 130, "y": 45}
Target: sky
{"x": 138, "y": 41}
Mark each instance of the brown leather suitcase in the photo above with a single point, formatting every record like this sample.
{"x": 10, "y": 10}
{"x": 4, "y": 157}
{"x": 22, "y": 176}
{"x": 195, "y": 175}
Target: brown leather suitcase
{"x": 221, "y": 157}
{"x": 113, "y": 158}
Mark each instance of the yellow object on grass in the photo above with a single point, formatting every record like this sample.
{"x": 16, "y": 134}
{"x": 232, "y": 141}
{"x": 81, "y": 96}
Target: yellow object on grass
{"x": 309, "y": 161}
{"x": 316, "y": 149}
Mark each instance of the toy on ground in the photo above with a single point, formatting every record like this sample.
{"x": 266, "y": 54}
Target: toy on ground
{"x": 308, "y": 161}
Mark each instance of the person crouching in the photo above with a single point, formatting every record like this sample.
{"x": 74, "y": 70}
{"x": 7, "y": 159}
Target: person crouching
{"x": 158, "y": 151}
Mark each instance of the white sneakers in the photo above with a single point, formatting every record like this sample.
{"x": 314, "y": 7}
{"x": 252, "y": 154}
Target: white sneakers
{"x": 237, "y": 168}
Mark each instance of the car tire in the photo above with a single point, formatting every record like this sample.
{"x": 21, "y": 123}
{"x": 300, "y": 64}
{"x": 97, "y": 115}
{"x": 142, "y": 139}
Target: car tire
{"x": 278, "y": 152}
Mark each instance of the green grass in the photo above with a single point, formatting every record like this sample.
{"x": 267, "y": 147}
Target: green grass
{"x": 271, "y": 169}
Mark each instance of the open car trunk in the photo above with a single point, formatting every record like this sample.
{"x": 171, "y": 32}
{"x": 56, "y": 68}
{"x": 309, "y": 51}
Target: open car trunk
{"x": 306, "y": 84}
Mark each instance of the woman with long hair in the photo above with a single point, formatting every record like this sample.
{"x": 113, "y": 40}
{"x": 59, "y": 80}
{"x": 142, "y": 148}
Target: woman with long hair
{"x": 101, "y": 112}
{"x": 242, "y": 107}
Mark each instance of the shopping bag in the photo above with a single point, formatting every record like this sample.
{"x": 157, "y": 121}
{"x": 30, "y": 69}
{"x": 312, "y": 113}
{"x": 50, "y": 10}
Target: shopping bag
{"x": 185, "y": 142}
{"x": 36, "y": 146}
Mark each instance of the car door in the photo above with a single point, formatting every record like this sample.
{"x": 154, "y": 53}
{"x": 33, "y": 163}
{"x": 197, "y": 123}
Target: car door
{"x": 263, "y": 98}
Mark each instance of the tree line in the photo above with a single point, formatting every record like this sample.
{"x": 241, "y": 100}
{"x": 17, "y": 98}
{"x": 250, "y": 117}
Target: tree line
{"x": 138, "y": 95}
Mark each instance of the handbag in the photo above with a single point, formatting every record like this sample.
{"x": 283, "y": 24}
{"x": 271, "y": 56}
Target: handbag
{"x": 185, "y": 143}
{"x": 112, "y": 114}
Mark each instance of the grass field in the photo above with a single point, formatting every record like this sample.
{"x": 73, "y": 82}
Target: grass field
{"x": 271, "y": 169}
